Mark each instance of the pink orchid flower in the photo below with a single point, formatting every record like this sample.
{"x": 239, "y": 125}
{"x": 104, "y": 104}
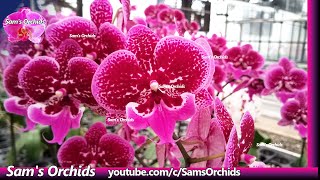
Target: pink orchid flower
{"x": 284, "y": 79}
{"x": 151, "y": 82}
{"x": 294, "y": 112}
{"x": 59, "y": 86}
{"x": 236, "y": 149}
{"x": 253, "y": 85}
{"x": 164, "y": 20}
{"x": 242, "y": 60}
{"x": 217, "y": 44}
{"x": 98, "y": 38}
{"x": 96, "y": 149}
{"x": 18, "y": 101}
{"x": 191, "y": 27}
{"x": 152, "y": 12}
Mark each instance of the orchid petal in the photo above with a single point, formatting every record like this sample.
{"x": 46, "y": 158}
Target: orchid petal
{"x": 101, "y": 11}
{"x": 302, "y": 129}
{"x": 175, "y": 67}
{"x": 95, "y": 132}
{"x": 273, "y": 77}
{"x": 174, "y": 161}
{"x": 247, "y": 133}
{"x": 19, "y": 106}
{"x": 216, "y": 144}
{"x": 283, "y": 96}
{"x": 162, "y": 119}
{"x": 232, "y": 150}
{"x": 289, "y": 110}
{"x": 115, "y": 151}
{"x": 118, "y": 81}
{"x": 60, "y": 122}
{"x": 299, "y": 78}
{"x": 111, "y": 39}
{"x": 10, "y": 75}
{"x": 286, "y": 64}
{"x": 67, "y": 50}
{"x": 81, "y": 71}
{"x": 142, "y": 42}
{"x": 199, "y": 125}
{"x": 126, "y": 11}
{"x": 205, "y": 45}
{"x": 284, "y": 122}
{"x": 57, "y": 32}
{"x": 203, "y": 99}
{"x": 223, "y": 117}
{"x": 161, "y": 154}
{"x": 72, "y": 152}
{"x": 40, "y": 78}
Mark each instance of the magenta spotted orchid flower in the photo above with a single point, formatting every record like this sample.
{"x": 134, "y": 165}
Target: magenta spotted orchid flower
{"x": 284, "y": 79}
{"x": 18, "y": 102}
{"x": 24, "y": 25}
{"x": 236, "y": 149}
{"x": 96, "y": 149}
{"x": 59, "y": 86}
{"x": 151, "y": 13}
{"x": 164, "y": 20}
{"x": 294, "y": 112}
{"x": 151, "y": 82}
{"x": 217, "y": 44}
{"x": 242, "y": 60}
{"x": 98, "y": 38}
{"x": 253, "y": 85}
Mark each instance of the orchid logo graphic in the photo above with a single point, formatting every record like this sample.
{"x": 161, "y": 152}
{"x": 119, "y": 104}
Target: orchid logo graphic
{"x": 24, "y": 25}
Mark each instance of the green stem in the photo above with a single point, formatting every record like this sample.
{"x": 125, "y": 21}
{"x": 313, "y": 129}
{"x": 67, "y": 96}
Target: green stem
{"x": 13, "y": 140}
{"x": 183, "y": 151}
{"x": 302, "y": 151}
{"x": 226, "y": 96}
{"x": 232, "y": 80}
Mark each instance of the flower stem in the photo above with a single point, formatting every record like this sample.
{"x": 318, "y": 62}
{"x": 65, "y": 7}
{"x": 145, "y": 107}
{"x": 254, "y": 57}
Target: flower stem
{"x": 13, "y": 141}
{"x": 183, "y": 151}
{"x": 140, "y": 160}
{"x": 302, "y": 151}
{"x": 149, "y": 141}
{"x": 196, "y": 160}
{"x": 226, "y": 96}
{"x": 232, "y": 80}
{"x": 116, "y": 15}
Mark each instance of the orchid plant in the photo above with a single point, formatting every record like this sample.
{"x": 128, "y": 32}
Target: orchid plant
{"x": 144, "y": 75}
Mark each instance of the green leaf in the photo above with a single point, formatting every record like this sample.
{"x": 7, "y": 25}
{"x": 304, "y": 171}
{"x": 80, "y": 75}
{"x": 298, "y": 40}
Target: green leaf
{"x": 150, "y": 152}
{"x": 30, "y": 143}
{"x": 258, "y": 138}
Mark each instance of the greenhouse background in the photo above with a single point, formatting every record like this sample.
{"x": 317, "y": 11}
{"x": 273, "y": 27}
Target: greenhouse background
{"x": 275, "y": 28}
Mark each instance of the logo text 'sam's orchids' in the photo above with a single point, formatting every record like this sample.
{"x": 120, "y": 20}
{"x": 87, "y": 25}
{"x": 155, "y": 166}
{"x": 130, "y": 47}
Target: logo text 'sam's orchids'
{"x": 143, "y": 71}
